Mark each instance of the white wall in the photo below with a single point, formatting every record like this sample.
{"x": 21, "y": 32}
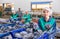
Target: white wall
{"x": 25, "y": 4}
{"x": 56, "y": 5}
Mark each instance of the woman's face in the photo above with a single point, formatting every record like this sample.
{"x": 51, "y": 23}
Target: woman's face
{"x": 46, "y": 13}
{"x": 26, "y": 12}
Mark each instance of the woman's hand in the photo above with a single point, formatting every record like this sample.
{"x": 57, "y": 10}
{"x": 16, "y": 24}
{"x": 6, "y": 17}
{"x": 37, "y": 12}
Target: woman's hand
{"x": 48, "y": 27}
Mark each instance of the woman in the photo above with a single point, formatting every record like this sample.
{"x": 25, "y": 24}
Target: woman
{"x": 27, "y": 17}
{"x": 14, "y": 16}
{"x": 20, "y": 14}
{"x": 47, "y": 23}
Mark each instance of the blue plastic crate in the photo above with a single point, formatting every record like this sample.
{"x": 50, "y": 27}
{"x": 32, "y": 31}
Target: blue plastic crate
{"x": 44, "y": 36}
{"x": 8, "y": 24}
{"x": 16, "y": 31}
{"x": 4, "y": 34}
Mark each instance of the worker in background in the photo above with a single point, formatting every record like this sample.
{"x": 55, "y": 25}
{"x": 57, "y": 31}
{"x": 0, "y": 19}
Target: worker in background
{"x": 27, "y": 17}
{"x": 19, "y": 12}
{"x": 14, "y": 16}
{"x": 47, "y": 23}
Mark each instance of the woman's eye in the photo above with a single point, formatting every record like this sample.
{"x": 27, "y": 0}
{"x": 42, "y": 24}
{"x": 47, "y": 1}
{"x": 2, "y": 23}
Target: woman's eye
{"x": 45, "y": 11}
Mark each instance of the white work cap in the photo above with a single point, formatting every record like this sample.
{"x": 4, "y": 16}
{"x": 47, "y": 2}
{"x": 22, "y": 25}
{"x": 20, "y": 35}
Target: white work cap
{"x": 48, "y": 9}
